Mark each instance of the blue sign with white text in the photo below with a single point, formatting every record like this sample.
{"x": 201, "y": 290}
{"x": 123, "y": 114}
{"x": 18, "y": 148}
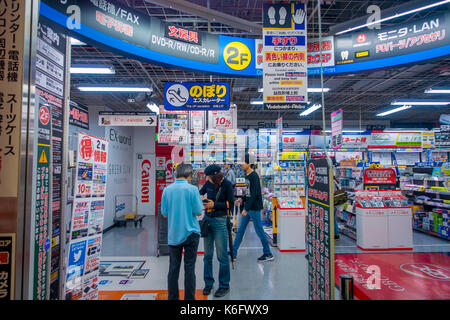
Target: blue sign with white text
{"x": 196, "y": 96}
{"x": 77, "y": 254}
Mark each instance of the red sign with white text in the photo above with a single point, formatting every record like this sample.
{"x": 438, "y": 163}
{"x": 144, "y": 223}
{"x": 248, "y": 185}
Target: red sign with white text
{"x": 378, "y": 176}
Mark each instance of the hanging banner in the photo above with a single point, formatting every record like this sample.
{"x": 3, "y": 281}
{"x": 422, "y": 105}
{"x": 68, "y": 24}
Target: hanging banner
{"x": 355, "y": 141}
{"x": 337, "y": 126}
{"x": 197, "y": 121}
{"x": 285, "y": 79}
{"x": 7, "y": 265}
{"x": 221, "y": 120}
{"x": 428, "y": 140}
{"x": 410, "y": 37}
{"x": 396, "y": 140}
{"x": 127, "y": 119}
{"x": 86, "y": 228}
{"x": 173, "y": 127}
{"x": 145, "y": 177}
{"x": 12, "y": 29}
{"x": 79, "y": 115}
{"x": 196, "y": 96}
{"x": 327, "y": 45}
{"x": 320, "y": 230}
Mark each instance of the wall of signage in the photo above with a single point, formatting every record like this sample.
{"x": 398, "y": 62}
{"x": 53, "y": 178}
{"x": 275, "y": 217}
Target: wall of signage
{"x": 86, "y": 229}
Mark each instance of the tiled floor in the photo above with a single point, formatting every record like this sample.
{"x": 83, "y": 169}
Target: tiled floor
{"x": 284, "y": 278}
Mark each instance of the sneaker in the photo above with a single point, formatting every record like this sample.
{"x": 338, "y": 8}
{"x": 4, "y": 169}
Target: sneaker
{"x": 265, "y": 257}
{"x": 207, "y": 291}
{"x": 221, "y": 292}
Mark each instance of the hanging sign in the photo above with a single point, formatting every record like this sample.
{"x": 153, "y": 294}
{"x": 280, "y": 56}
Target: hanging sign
{"x": 221, "y": 120}
{"x": 295, "y": 139}
{"x": 173, "y": 127}
{"x": 285, "y": 61}
{"x": 327, "y": 45}
{"x": 197, "y": 121}
{"x": 87, "y": 219}
{"x": 7, "y": 265}
{"x": 355, "y": 141}
{"x": 396, "y": 140}
{"x": 380, "y": 176}
{"x": 320, "y": 230}
{"x": 196, "y": 96}
{"x": 79, "y": 115}
{"x": 428, "y": 140}
{"x": 336, "y": 129}
{"x": 127, "y": 119}
{"x": 410, "y": 37}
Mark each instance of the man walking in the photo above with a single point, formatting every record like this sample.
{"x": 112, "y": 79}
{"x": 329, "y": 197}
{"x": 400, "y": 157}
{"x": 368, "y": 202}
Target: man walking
{"x": 252, "y": 210}
{"x": 229, "y": 174}
{"x": 181, "y": 203}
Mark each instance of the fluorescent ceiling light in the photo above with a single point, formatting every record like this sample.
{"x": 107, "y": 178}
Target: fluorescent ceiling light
{"x": 421, "y": 103}
{"x": 260, "y": 90}
{"x": 318, "y": 89}
{"x": 92, "y": 70}
{"x": 397, "y": 15}
{"x": 114, "y": 89}
{"x": 438, "y": 90}
{"x": 76, "y": 42}
{"x": 393, "y": 111}
{"x": 256, "y": 102}
{"x": 310, "y": 110}
{"x": 153, "y": 107}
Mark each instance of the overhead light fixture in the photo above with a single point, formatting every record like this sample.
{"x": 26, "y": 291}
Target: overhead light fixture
{"x": 421, "y": 102}
{"x": 397, "y": 15}
{"x": 312, "y": 90}
{"x": 115, "y": 89}
{"x": 257, "y": 102}
{"x": 260, "y": 89}
{"x": 394, "y": 110}
{"x": 153, "y": 107}
{"x": 92, "y": 70}
{"x": 438, "y": 90}
{"x": 76, "y": 42}
{"x": 310, "y": 110}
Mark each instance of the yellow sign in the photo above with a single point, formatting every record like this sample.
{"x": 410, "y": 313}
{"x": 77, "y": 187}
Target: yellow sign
{"x": 43, "y": 157}
{"x": 237, "y": 55}
{"x": 291, "y": 156}
{"x": 291, "y": 82}
{"x": 362, "y": 54}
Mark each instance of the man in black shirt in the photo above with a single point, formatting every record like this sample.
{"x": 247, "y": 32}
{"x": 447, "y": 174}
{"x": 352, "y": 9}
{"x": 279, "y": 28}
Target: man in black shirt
{"x": 252, "y": 210}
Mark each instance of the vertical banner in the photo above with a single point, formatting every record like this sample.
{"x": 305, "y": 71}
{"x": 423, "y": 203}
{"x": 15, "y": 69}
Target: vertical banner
{"x": 12, "y": 28}
{"x": 50, "y": 87}
{"x": 336, "y": 129}
{"x": 86, "y": 229}
{"x": 285, "y": 79}
{"x": 7, "y": 267}
{"x": 145, "y": 178}
{"x": 320, "y": 230}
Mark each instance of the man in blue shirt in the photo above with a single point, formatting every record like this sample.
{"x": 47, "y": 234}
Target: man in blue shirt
{"x": 181, "y": 203}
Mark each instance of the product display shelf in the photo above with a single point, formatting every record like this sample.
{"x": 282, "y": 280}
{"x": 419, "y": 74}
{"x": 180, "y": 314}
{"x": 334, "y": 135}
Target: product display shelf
{"x": 347, "y": 226}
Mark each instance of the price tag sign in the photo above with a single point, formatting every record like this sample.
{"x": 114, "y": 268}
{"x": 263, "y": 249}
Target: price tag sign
{"x": 221, "y": 120}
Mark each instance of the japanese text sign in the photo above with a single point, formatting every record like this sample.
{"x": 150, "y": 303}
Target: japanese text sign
{"x": 336, "y": 129}
{"x": 197, "y": 96}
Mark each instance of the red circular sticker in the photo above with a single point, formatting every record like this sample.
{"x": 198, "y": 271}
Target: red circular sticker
{"x": 311, "y": 174}
{"x": 86, "y": 149}
{"x": 44, "y": 115}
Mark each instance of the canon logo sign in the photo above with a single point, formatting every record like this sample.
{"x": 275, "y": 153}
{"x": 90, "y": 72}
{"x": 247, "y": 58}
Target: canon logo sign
{"x": 145, "y": 181}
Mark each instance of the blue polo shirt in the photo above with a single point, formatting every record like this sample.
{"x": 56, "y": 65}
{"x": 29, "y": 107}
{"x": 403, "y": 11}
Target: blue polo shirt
{"x": 181, "y": 203}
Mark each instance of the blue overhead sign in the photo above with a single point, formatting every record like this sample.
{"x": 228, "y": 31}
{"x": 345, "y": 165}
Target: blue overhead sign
{"x": 196, "y": 96}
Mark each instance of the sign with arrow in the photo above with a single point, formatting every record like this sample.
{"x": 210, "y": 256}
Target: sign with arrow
{"x": 127, "y": 119}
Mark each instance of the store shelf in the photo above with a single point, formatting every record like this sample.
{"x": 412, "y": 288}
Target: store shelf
{"x": 431, "y": 233}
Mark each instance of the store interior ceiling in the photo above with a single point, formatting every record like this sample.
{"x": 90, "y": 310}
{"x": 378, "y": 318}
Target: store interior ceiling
{"x": 360, "y": 95}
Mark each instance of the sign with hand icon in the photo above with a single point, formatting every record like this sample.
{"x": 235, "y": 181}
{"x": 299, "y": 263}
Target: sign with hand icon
{"x": 285, "y": 56}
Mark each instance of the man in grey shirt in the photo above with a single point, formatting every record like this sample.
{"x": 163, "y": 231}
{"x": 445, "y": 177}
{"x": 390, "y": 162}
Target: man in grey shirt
{"x": 229, "y": 174}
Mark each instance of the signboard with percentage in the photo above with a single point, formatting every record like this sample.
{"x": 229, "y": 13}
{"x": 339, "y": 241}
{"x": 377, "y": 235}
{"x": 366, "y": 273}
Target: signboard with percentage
{"x": 221, "y": 120}
{"x": 320, "y": 233}
{"x": 87, "y": 218}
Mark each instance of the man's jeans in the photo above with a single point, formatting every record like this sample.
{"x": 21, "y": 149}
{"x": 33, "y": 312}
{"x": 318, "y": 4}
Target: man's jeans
{"x": 190, "y": 247}
{"x": 218, "y": 234}
{"x": 256, "y": 218}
